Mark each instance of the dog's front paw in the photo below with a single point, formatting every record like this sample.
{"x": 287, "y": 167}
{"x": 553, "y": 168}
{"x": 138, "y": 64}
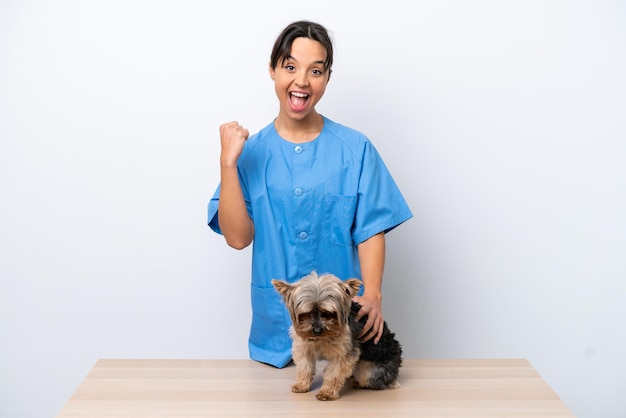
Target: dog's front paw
{"x": 300, "y": 387}
{"x": 327, "y": 395}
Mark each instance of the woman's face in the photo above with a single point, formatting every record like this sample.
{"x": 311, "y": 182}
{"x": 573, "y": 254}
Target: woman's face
{"x": 300, "y": 79}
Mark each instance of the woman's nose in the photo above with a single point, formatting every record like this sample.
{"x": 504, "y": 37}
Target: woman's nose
{"x": 302, "y": 78}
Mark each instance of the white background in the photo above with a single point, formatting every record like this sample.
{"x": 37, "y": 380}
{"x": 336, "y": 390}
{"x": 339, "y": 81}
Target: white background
{"x": 502, "y": 122}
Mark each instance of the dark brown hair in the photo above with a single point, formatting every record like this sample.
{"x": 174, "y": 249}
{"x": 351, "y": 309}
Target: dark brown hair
{"x": 301, "y": 29}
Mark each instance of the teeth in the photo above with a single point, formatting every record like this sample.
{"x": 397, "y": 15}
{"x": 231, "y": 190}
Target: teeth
{"x": 302, "y": 95}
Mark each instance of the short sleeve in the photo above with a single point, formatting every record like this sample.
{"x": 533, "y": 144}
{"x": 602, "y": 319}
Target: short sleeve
{"x": 213, "y": 207}
{"x": 380, "y": 206}
{"x": 212, "y": 211}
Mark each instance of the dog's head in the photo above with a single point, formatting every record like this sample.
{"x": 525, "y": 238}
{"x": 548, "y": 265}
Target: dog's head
{"x": 319, "y": 305}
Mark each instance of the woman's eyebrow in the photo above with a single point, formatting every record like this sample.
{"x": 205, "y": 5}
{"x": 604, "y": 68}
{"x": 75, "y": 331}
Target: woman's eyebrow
{"x": 291, "y": 57}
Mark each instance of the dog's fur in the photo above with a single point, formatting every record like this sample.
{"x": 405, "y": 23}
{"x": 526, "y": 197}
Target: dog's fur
{"x": 324, "y": 327}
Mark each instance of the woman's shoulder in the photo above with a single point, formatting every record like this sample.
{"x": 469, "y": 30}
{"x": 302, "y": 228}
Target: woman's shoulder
{"x": 351, "y": 138}
{"x": 255, "y": 140}
{"x": 342, "y": 130}
{"x": 262, "y": 134}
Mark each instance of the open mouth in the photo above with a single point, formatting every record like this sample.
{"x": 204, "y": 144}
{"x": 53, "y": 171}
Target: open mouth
{"x": 298, "y": 100}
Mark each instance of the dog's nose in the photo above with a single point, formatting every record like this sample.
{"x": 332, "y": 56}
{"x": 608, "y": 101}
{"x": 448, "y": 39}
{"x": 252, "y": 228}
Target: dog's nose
{"x": 318, "y": 331}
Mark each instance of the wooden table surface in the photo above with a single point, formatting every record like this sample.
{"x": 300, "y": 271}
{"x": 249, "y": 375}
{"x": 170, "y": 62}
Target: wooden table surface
{"x": 208, "y": 388}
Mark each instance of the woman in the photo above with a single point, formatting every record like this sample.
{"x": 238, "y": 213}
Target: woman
{"x": 311, "y": 193}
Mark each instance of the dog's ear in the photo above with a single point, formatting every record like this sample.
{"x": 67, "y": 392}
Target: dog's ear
{"x": 352, "y": 286}
{"x": 282, "y": 287}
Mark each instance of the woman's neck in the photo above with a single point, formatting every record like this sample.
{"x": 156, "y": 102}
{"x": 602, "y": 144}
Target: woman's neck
{"x": 299, "y": 131}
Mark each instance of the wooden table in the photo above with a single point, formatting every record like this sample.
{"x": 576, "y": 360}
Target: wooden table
{"x": 207, "y": 388}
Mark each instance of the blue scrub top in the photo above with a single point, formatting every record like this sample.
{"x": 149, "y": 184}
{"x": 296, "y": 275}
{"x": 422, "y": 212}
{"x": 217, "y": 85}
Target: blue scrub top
{"x": 311, "y": 204}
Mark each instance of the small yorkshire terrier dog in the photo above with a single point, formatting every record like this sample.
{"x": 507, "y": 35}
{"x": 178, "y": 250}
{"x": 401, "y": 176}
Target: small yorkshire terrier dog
{"x": 324, "y": 327}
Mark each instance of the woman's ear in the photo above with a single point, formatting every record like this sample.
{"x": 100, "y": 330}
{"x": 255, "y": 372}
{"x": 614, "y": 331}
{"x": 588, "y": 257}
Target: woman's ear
{"x": 272, "y": 72}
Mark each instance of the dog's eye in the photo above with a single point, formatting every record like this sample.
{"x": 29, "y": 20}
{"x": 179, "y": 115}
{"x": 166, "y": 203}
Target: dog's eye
{"x": 328, "y": 315}
{"x": 303, "y": 317}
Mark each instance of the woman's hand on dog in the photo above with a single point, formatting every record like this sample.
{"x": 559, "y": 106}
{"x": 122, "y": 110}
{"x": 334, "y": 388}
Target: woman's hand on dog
{"x": 372, "y": 307}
